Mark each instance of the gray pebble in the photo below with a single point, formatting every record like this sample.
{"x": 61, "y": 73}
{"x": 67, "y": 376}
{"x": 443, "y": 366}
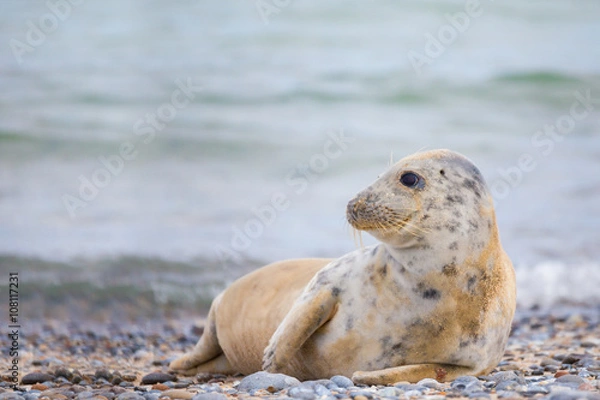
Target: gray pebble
{"x": 209, "y": 396}
{"x": 157, "y": 377}
{"x": 212, "y": 388}
{"x": 151, "y": 396}
{"x": 507, "y": 394}
{"x": 36, "y": 377}
{"x": 103, "y": 374}
{"x": 466, "y": 386}
{"x": 130, "y": 396}
{"x": 85, "y": 395}
{"x": 466, "y": 379}
{"x": 549, "y": 361}
{"x": 304, "y": 392}
{"x": 532, "y": 390}
{"x": 472, "y": 387}
{"x": 321, "y": 390}
{"x": 479, "y": 395}
{"x": 264, "y": 380}
{"x": 409, "y": 386}
{"x": 97, "y": 364}
{"x": 430, "y": 383}
{"x": 574, "y": 395}
{"x": 584, "y": 373}
{"x": 185, "y": 381}
{"x": 11, "y": 396}
{"x": 510, "y": 386}
{"x": 389, "y": 391}
{"x": 572, "y": 358}
{"x": 508, "y": 376}
{"x": 342, "y": 381}
{"x": 31, "y": 396}
{"x": 368, "y": 395}
{"x": 570, "y": 379}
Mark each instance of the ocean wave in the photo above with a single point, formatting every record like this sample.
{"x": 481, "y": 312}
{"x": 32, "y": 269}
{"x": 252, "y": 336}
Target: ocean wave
{"x": 539, "y": 77}
{"x": 553, "y": 283}
{"x": 132, "y": 287}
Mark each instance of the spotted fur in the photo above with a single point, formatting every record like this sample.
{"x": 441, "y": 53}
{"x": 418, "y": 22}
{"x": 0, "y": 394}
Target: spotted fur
{"x": 435, "y": 298}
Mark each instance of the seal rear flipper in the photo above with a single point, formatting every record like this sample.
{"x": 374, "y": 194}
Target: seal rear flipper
{"x": 309, "y": 313}
{"x": 412, "y": 373}
{"x": 218, "y": 365}
{"x": 206, "y": 349}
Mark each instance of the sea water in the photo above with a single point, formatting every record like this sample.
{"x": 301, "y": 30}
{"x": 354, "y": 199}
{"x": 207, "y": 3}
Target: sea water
{"x": 177, "y": 145}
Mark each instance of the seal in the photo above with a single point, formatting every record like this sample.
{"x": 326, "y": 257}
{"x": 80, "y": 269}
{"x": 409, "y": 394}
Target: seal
{"x": 434, "y": 299}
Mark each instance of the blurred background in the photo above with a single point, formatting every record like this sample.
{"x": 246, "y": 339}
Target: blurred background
{"x": 152, "y": 151}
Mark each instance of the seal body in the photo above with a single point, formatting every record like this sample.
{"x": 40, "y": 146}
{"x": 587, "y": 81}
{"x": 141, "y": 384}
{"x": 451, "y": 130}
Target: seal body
{"x": 434, "y": 299}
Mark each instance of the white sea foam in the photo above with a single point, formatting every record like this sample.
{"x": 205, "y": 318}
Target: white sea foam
{"x": 553, "y": 283}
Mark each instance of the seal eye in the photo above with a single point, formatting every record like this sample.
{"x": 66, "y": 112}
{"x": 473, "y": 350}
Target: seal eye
{"x": 409, "y": 179}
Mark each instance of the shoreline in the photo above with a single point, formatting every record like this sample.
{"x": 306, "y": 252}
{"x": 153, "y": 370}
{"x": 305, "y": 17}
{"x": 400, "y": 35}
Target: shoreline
{"x": 552, "y": 353}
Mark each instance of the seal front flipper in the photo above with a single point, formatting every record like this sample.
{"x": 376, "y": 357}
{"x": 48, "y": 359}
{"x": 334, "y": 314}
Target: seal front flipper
{"x": 310, "y": 311}
{"x": 412, "y": 373}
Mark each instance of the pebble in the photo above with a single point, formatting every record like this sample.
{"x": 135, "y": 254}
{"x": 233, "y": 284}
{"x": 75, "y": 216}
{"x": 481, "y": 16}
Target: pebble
{"x": 209, "y": 396}
{"x": 304, "y": 392}
{"x": 130, "y": 396}
{"x": 549, "y": 361}
{"x": 532, "y": 390}
{"x": 177, "y": 394}
{"x": 63, "y": 372}
{"x": 507, "y": 376}
{"x": 36, "y": 377}
{"x": 11, "y": 396}
{"x": 570, "y": 379}
{"x": 157, "y": 377}
{"x": 510, "y": 386}
{"x": 574, "y": 395}
{"x": 430, "y": 383}
{"x": 342, "y": 381}
{"x": 479, "y": 395}
{"x": 572, "y": 358}
{"x": 363, "y": 393}
{"x": 389, "y": 391}
{"x": 264, "y": 380}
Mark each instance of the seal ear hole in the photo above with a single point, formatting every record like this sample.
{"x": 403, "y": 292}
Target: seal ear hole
{"x": 442, "y": 172}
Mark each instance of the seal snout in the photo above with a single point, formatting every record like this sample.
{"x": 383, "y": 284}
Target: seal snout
{"x": 362, "y": 210}
{"x": 352, "y": 210}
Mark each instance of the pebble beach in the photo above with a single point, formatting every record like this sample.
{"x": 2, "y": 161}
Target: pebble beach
{"x": 552, "y": 354}
{"x": 144, "y": 146}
